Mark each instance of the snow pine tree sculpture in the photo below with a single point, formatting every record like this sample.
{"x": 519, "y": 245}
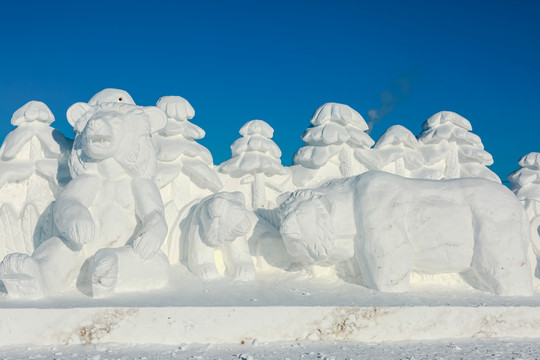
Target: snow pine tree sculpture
{"x": 185, "y": 169}
{"x": 526, "y": 185}
{"x": 451, "y": 150}
{"x": 255, "y": 154}
{"x": 397, "y": 152}
{"x": 33, "y": 170}
{"x": 337, "y": 131}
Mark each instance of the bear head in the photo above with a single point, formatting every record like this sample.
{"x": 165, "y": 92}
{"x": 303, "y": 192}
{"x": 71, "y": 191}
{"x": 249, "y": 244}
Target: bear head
{"x": 306, "y": 225}
{"x": 114, "y": 130}
{"x": 223, "y": 218}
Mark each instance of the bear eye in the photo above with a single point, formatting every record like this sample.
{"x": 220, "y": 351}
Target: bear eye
{"x": 120, "y": 99}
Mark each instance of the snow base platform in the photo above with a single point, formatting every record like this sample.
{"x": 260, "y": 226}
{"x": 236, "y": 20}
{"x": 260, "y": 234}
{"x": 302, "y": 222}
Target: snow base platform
{"x": 179, "y": 325}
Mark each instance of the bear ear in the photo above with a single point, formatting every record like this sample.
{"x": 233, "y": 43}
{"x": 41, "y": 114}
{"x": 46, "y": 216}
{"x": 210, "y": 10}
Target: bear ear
{"x": 156, "y": 118}
{"x": 78, "y": 114}
{"x": 281, "y": 198}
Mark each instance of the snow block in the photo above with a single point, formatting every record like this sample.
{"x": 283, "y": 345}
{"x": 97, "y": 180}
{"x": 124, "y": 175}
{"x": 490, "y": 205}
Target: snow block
{"x": 178, "y": 325}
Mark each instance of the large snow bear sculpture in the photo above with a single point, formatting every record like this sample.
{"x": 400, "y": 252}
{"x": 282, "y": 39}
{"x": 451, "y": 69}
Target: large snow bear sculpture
{"x": 218, "y": 222}
{"x": 110, "y": 215}
{"x": 393, "y": 225}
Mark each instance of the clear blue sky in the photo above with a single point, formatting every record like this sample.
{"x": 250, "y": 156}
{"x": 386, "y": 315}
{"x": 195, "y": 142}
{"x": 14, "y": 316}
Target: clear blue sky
{"x": 279, "y": 60}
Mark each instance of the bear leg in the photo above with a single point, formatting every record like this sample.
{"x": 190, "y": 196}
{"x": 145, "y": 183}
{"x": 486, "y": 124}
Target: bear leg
{"x": 238, "y": 261}
{"x": 123, "y": 270}
{"x": 386, "y": 259}
{"x": 201, "y": 261}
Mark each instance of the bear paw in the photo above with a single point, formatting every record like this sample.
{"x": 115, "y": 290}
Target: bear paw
{"x": 104, "y": 275}
{"x": 22, "y": 277}
{"x": 244, "y": 271}
{"x": 205, "y": 271}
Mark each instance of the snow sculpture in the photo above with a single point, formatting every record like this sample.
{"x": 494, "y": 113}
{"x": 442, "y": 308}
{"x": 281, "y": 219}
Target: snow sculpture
{"x": 33, "y": 170}
{"x": 397, "y": 152}
{"x": 471, "y": 226}
{"x": 218, "y": 222}
{"x": 451, "y": 150}
{"x": 256, "y": 155}
{"x": 526, "y": 185}
{"x": 110, "y": 216}
{"x": 185, "y": 170}
{"x": 337, "y": 131}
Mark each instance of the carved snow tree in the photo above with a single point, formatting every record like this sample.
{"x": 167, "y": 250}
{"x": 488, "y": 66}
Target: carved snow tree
{"x": 185, "y": 169}
{"x": 451, "y": 150}
{"x": 33, "y": 171}
{"x": 397, "y": 152}
{"x": 257, "y": 155}
{"x": 526, "y": 183}
{"x": 336, "y": 132}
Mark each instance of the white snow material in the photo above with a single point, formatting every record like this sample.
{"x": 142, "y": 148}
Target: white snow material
{"x": 337, "y": 131}
{"x": 188, "y": 130}
{"x": 218, "y": 222}
{"x": 397, "y": 151}
{"x": 451, "y": 151}
{"x": 340, "y": 113}
{"x": 257, "y": 127}
{"x": 255, "y": 154}
{"x": 252, "y": 163}
{"x": 255, "y": 142}
{"x": 188, "y": 325}
{"x": 110, "y": 216}
{"x": 389, "y": 225}
{"x": 111, "y": 96}
{"x": 456, "y": 349}
{"x": 176, "y": 107}
{"x": 33, "y": 170}
{"x": 32, "y": 111}
{"x": 531, "y": 161}
{"x": 444, "y": 117}
{"x": 526, "y": 185}
{"x": 185, "y": 170}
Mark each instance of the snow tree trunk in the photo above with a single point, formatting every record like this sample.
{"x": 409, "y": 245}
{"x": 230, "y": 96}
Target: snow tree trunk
{"x": 400, "y": 167}
{"x": 258, "y": 191}
{"x": 452, "y": 162}
{"x": 345, "y": 162}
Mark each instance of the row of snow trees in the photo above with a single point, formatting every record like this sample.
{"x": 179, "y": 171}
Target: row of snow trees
{"x": 337, "y": 145}
{"x": 33, "y": 161}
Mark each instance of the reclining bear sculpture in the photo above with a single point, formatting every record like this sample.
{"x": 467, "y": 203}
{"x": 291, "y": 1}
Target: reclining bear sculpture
{"x": 375, "y": 227}
{"x": 393, "y": 225}
{"x": 109, "y": 216}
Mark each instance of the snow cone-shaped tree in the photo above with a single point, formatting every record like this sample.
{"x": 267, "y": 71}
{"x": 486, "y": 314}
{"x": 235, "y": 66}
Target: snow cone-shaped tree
{"x": 255, "y": 154}
{"x": 451, "y": 150}
{"x": 182, "y": 161}
{"x": 185, "y": 169}
{"x": 397, "y": 151}
{"x": 336, "y": 132}
{"x": 33, "y": 170}
{"x": 526, "y": 183}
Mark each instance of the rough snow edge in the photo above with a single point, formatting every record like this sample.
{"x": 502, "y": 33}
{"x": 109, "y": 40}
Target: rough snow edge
{"x": 176, "y": 325}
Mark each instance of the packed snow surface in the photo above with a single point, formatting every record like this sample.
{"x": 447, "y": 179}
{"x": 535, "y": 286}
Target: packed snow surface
{"x": 407, "y": 350}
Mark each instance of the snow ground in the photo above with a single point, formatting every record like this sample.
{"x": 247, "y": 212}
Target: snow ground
{"x": 440, "y": 349}
{"x": 316, "y": 287}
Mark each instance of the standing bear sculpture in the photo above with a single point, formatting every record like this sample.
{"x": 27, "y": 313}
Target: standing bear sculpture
{"x": 110, "y": 216}
{"x": 388, "y": 226}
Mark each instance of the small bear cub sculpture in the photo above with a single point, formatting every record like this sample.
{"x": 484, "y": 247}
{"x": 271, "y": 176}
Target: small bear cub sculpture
{"x": 219, "y": 221}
